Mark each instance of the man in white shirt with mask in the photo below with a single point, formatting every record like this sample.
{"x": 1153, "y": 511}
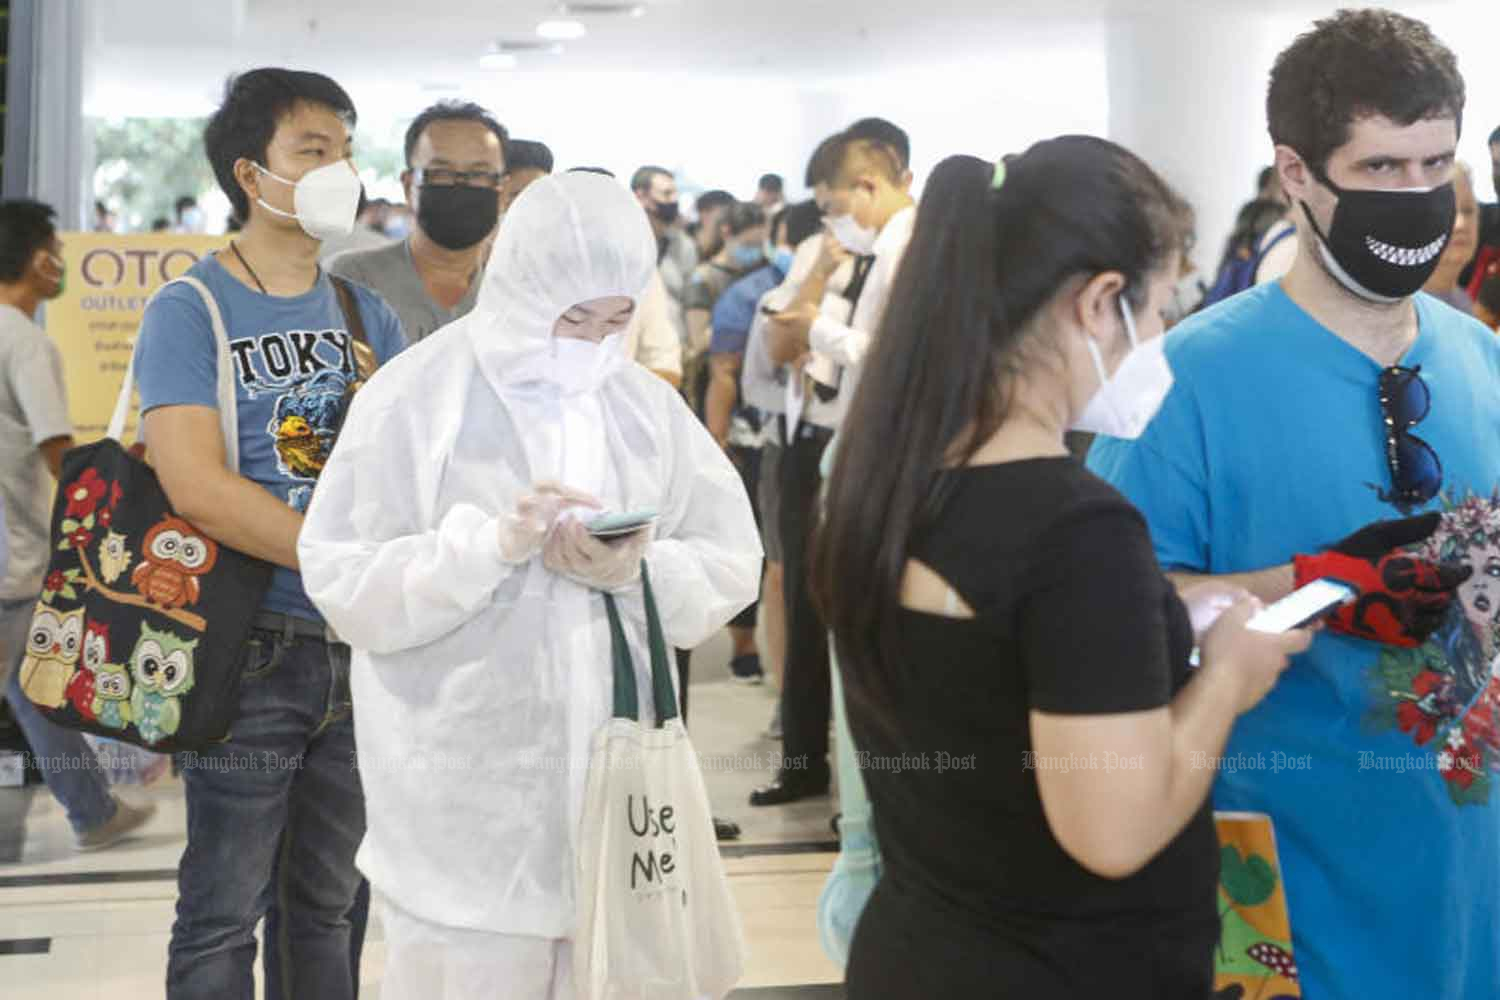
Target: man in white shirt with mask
{"x": 861, "y": 182}
{"x": 445, "y": 542}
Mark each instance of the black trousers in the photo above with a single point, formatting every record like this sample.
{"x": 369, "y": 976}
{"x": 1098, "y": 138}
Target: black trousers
{"x": 806, "y": 700}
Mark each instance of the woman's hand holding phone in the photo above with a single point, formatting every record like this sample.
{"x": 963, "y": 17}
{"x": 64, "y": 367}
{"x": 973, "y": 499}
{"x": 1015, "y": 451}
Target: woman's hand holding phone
{"x": 1248, "y": 662}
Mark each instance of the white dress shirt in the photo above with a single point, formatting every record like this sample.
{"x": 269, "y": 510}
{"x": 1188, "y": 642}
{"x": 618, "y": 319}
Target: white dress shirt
{"x": 846, "y": 344}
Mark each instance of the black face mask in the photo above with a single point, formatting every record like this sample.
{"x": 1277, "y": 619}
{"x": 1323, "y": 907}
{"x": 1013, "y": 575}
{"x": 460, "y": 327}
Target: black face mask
{"x": 1384, "y": 245}
{"x": 666, "y": 212}
{"x": 457, "y": 216}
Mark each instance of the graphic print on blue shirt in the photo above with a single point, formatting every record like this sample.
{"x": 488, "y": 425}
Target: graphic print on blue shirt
{"x": 1446, "y": 694}
{"x": 293, "y": 359}
{"x": 307, "y": 372}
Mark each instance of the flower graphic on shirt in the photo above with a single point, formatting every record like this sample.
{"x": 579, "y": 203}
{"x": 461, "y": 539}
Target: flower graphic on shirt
{"x": 1431, "y": 703}
{"x": 1461, "y": 764}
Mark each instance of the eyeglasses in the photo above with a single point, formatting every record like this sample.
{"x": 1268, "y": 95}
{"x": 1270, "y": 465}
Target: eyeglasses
{"x": 1416, "y": 471}
{"x": 443, "y": 177}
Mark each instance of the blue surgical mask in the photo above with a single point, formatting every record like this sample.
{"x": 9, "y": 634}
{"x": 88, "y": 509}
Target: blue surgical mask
{"x": 747, "y": 256}
{"x": 782, "y": 260}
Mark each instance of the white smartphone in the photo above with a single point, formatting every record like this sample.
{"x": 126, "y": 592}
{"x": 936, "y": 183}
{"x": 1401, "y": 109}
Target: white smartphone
{"x": 1302, "y": 606}
{"x": 614, "y": 524}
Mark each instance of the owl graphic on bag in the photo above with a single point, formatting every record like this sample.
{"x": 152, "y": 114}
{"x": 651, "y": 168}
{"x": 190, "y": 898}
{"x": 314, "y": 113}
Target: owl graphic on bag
{"x": 53, "y": 647}
{"x": 173, "y": 556}
{"x": 162, "y": 667}
{"x": 112, "y": 695}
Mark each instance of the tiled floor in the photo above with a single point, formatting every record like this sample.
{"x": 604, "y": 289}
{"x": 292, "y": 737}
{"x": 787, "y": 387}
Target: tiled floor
{"x": 84, "y": 926}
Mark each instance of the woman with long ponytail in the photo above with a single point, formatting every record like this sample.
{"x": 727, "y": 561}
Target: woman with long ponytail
{"x": 1016, "y": 665}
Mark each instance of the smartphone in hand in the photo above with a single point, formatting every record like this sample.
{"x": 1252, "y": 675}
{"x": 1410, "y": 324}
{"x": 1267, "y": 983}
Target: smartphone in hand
{"x": 1303, "y": 606}
{"x": 617, "y": 524}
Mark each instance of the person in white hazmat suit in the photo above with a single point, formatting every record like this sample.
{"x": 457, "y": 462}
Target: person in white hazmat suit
{"x": 445, "y": 544}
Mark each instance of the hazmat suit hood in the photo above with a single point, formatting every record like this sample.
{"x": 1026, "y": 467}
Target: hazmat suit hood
{"x": 567, "y": 239}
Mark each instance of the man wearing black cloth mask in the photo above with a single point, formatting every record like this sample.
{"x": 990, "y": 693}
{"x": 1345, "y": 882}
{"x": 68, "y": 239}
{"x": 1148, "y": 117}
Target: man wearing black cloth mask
{"x": 1339, "y": 424}
{"x": 455, "y": 166}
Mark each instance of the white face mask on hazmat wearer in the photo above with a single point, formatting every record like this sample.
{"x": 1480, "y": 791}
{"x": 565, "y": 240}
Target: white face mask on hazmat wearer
{"x": 1127, "y": 400}
{"x": 583, "y": 365}
{"x": 326, "y": 200}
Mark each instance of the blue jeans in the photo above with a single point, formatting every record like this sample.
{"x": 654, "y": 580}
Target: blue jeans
{"x": 359, "y": 917}
{"x": 67, "y": 762}
{"x": 284, "y": 781}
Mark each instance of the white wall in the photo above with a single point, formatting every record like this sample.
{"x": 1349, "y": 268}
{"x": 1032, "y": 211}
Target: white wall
{"x": 1185, "y": 87}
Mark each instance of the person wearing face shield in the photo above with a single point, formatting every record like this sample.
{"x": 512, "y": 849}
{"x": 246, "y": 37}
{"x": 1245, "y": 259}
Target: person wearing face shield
{"x": 1340, "y": 423}
{"x": 447, "y": 543}
{"x": 455, "y": 175}
{"x": 861, "y": 183}
{"x": 279, "y": 145}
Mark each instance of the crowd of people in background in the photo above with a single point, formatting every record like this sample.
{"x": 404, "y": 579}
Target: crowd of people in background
{"x": 884, "y": 398}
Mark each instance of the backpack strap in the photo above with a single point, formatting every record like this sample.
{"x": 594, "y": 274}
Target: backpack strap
{"x": 228, "y": 402}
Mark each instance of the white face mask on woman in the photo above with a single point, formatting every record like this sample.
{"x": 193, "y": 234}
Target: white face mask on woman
{"x": 326, "y": 200}
{"x": 583, "y": 365}
{"x": 1127, "y": 400}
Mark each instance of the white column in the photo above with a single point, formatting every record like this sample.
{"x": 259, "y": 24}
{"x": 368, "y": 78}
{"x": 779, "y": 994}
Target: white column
{"x": 1187, "y": 94}
{"x": 62, "y": 156}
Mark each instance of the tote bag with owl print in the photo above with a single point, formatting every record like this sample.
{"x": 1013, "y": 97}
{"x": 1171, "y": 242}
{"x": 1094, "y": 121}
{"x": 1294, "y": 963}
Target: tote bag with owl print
{"x": 140, "y": 631}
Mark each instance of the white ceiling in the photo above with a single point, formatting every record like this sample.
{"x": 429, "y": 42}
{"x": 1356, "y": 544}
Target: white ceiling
{"x": 172, "y": 55}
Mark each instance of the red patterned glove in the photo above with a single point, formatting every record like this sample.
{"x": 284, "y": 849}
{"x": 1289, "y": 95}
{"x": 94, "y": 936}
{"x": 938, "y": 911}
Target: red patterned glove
{"x": 1402, "y": 598}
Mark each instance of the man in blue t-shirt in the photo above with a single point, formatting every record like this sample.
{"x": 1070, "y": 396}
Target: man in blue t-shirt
{"x": 1304, "y": 411}
{"x": 282, "y": 790}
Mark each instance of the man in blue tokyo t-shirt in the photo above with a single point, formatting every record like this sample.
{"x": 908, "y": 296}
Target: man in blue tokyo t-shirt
{"x": 1376, "y": 757}
{"x": 281, "y": 793}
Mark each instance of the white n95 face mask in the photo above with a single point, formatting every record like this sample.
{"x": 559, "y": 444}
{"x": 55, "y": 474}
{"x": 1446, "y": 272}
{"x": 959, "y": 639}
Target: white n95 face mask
{"x": 326, "y": 200}
{"x": 1128, "y": 400}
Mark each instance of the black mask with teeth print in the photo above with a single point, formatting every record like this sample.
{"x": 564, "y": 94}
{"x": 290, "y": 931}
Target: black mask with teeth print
{"x": 1384, "y": 245}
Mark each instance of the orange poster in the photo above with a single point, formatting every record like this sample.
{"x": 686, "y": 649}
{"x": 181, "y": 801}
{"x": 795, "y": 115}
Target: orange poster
{"x": 94, "y": 322}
